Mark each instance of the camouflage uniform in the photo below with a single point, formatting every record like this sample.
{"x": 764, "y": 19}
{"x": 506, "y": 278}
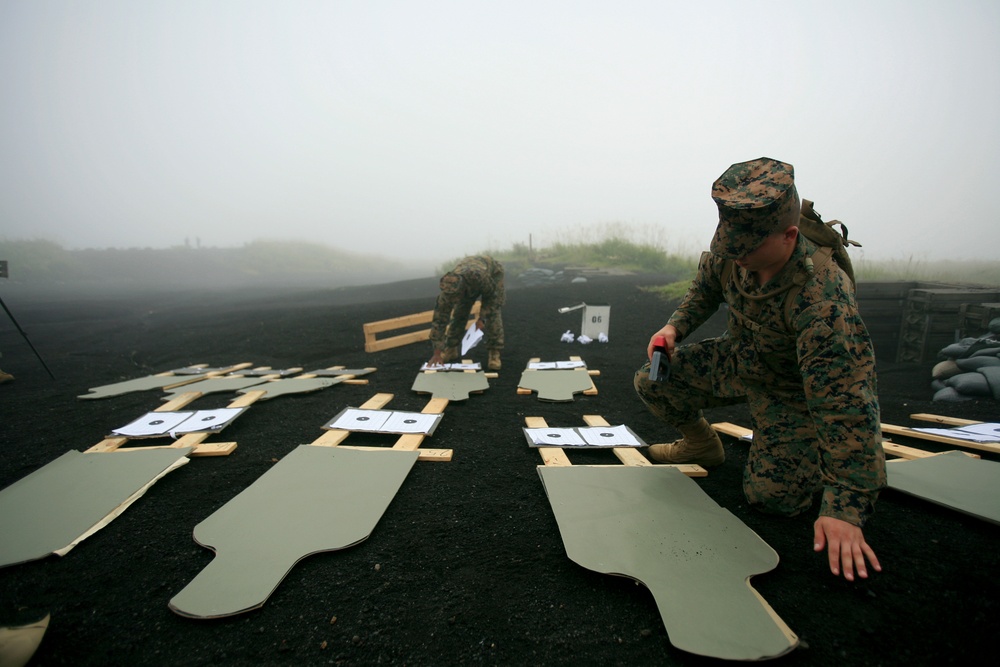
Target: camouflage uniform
{"x": 477, "y": 277}
{"x": 811, "y": 388}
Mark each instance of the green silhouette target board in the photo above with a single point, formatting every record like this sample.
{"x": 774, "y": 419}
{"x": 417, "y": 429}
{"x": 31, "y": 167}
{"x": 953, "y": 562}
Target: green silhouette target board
{"x": 656, "y": 525}
{"x": 315, "y": 499}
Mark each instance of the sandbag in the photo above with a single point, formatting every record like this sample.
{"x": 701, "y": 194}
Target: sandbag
{"x": 946, "y": 369}
{"x": 974, "y": 363}
{"x": 992, "y": 375}
{"x": 959, "y": 349}
{"x": 949, "y": 395}
{"x": 986, "y": 351}
{"x": 994, "y": 325}
{"x": 970, "y": 384}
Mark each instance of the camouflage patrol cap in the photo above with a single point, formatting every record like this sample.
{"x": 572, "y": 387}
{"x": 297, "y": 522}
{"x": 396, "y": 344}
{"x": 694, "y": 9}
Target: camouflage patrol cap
{"x": 451, "y": 283}
{"x": 755, "y": 199}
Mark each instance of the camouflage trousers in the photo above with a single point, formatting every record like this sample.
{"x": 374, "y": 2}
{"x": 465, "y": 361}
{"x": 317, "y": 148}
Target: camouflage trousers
{"x": 782, "y": 475}
{"x": 489, "y": 313}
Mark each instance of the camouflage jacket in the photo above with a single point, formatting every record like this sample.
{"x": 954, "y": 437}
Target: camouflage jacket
{"x": 478, "y": 276}
{"x": 827, "y": 357}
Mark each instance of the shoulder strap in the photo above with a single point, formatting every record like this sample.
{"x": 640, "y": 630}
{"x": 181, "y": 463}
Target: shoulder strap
{"x": 817, "y": 261}
{"x": 727, "y": 272}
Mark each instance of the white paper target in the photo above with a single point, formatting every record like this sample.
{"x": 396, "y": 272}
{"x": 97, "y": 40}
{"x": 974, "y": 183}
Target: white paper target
{"x": 558, "y": 437}
{"x": 353, "y": 419}
{"x": 610, "y": 436}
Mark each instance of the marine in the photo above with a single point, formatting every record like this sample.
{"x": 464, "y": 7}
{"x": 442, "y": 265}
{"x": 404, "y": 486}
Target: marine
{"x": 474, "y": 277}
{"x": 805, "y": 368}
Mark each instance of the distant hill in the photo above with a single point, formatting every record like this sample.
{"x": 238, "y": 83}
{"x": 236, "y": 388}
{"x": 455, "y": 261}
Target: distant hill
{"x": 46, "y": 265}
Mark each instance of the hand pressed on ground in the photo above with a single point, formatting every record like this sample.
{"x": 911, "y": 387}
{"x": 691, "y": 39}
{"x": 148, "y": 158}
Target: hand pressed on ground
{"x": 846, "y": 547}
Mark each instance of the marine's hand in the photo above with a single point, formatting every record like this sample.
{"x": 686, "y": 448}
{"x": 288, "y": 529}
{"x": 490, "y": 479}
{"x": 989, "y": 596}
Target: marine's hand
{"x": 479, "y": 324}
{"x": 436, "y": 359}
{"x": 846, "y": 547}
{"x": 669, "y": 333}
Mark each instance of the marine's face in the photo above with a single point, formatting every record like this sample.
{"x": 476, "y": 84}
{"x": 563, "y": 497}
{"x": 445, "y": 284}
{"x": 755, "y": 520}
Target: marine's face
{"x": 772, "y": 254}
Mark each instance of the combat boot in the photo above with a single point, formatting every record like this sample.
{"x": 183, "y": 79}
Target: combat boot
{"x": 493, "y": 362}
{"x": 700, "y": 445}
{"x": 449, "y": 355}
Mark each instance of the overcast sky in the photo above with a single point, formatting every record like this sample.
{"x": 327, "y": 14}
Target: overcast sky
{"x": 430, "y": 129}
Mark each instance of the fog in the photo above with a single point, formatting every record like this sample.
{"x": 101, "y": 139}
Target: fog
{"x": 422, "y": 131}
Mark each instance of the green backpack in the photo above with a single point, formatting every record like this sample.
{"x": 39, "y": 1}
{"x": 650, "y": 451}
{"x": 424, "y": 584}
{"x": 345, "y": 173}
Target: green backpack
{"x": 824, "y": 235}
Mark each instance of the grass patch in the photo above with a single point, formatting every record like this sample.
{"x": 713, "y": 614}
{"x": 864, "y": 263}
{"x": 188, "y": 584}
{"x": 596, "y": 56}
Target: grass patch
{"x": 976, "y": 272}
{"x": 609, "y": 246}
{"x": 671, "y": 291}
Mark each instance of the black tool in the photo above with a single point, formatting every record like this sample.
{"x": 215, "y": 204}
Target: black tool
{"x": 659, "y": 364}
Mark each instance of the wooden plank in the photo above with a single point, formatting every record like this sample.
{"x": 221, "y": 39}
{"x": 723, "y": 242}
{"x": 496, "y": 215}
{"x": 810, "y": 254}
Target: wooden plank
{"x": 190, "y": 440}
{"x": 397, "y": 341}
{"x": 372, "y": 329}
{"x": 331, "y": 438}
{"x": 941, "y": 419}
{"x": 108, "y": 444}
{"x": 376, "y": 402}
{"x": 889, "y": 447}
{"x": 630, "y": 456}
{"x": 734, "y": 430}
{"x": 409, "y": 441}
{"x": 689, "y": 469}
{"x": 903, "y": 451}
{"x": 912, "y": 453}
{"x": 247, "y": 399}
{"x": 399, "y": 322}
{"x": 179, "y": 402}
{"x": 434, "y": 454}
{"x": 422, "y": 454}
{"x": 435, "y": 406}
{"x": 992, "y": 447}
{"x": 202, "y": 449}
{"x": 213, "y": 449}
{"x": 553, "y": 456}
